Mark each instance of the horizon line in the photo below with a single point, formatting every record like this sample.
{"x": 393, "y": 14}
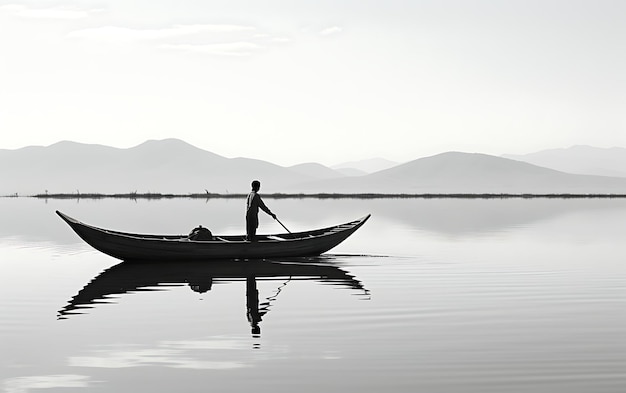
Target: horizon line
{"x": 152, "y": 195}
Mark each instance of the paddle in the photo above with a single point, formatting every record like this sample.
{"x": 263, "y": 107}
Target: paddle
{"x": 282, "y": 224}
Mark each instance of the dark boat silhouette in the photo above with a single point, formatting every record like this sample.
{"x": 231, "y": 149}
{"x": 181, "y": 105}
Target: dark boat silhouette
{"x": 140, "y": 247}
{"x": 125, "y": 278}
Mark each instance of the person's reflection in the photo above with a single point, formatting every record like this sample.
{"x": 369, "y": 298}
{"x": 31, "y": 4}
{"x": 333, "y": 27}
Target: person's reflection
{"x": 254, "y": 313}
{"x": 252, "y": 304}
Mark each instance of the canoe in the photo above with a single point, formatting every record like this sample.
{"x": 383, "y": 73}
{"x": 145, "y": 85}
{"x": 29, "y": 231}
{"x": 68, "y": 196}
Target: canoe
{"x": 125, "y": 278}
{"x": 142, "y": 247}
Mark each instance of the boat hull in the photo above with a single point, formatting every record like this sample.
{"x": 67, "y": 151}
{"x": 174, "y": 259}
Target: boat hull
{"x": 138, "y": 247}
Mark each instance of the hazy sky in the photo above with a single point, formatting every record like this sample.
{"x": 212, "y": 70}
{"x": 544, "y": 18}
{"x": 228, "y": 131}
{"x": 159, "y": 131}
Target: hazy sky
{"x": 326, "y": 81}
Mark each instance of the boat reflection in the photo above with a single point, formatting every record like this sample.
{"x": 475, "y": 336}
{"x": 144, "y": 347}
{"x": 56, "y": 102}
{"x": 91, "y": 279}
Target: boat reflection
{"x": 200, "y": 276}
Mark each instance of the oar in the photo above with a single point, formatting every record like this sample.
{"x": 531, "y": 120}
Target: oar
{"x": 283, "y": 225}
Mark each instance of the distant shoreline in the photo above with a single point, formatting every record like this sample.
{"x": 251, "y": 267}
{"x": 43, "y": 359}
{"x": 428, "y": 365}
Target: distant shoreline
{"x": 316, "y": 196}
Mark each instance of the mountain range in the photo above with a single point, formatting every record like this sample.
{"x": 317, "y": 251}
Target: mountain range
{"x": 582, "y": 160}
{"x": 174, "y": 166}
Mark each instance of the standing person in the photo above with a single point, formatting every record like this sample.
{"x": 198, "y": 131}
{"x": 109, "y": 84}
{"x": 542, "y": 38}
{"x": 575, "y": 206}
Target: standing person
{"x": 253, "y": 203}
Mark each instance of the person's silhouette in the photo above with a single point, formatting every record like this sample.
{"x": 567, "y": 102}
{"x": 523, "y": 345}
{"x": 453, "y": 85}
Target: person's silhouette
{"x": 253, "y": 204}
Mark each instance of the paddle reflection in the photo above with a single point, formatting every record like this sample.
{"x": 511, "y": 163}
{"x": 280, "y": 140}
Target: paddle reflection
{"x": 200, "y": 276}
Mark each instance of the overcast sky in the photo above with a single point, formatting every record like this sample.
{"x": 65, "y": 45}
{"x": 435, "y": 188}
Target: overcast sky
{"x": 325, "y": 81}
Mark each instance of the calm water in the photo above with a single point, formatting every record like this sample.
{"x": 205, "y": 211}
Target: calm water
{"x": 429, "y": 296}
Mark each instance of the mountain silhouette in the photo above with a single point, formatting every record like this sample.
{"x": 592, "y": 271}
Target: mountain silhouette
{"x": 365, "y": 166}
{"x": 456, "y": 172}
{"x": 168, "y": 165}
{"x": 174, "y": 166}
{"x": 584, "y": 160}
{"x": 317, "y": 171}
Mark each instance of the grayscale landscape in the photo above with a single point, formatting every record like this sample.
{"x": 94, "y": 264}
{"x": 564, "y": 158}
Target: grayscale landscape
{"x": 441, "y": 206}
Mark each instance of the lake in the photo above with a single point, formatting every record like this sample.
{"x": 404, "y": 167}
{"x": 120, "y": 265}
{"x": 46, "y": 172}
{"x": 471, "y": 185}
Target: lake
{"x": 431, "y": 295}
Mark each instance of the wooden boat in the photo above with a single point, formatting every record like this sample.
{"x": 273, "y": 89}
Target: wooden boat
{"x": 139, "y": 247}
{"x": 127, "y": 278}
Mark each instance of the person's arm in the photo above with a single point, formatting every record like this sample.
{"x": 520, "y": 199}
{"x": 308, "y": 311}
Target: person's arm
{"x": 265, "y": 208}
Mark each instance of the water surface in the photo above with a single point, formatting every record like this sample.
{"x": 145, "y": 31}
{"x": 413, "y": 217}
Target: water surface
{"x": 436, "y": 295}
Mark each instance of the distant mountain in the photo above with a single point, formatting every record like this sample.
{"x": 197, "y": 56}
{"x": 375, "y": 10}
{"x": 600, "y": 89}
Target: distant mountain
{"x": 173, "y": 166}
{"x": 356, "y": 168}
{"x": 315, "y": 170}
{"x": 351, "y": 172}
{"x": 456, "y": 172}
{"x": 169, "y": 165}
{"x": 584, "y": 160}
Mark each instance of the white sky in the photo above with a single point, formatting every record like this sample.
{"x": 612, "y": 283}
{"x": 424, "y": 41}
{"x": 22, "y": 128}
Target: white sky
{"x": 325, "y": 81}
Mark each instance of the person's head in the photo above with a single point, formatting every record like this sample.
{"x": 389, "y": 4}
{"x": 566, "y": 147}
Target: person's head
{"x": 256, "y": 185}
